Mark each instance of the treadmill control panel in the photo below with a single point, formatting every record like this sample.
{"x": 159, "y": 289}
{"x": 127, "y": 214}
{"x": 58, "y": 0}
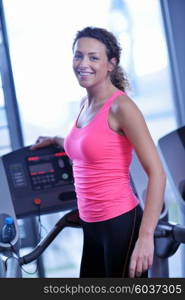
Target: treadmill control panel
{"x": 43, "y": 177}
{"x": 47, "y": 170}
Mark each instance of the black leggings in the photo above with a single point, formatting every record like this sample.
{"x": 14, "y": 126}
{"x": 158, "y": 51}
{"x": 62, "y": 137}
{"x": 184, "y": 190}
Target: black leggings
{"x": 108, "y": 245}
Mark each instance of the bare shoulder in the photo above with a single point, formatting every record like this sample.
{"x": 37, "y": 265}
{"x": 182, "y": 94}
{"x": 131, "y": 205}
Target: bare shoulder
{"x": 124, "y": 106}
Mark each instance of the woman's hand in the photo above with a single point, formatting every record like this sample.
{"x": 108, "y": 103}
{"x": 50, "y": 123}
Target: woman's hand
{"x": 44, "y": 141}
{"x": 142, "y": 256}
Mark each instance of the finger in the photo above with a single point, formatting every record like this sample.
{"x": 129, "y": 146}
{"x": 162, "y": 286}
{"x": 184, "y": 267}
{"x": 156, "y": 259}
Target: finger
{"x": 145, "y": 264}
{"x": 42, "y": 142}
{"x": 139, "y": 268}
{"x": 36, "y": 146}
{"x": 150, "y": 261}
{"x": 41, "y": 139}
{"x": 132, "y": 268}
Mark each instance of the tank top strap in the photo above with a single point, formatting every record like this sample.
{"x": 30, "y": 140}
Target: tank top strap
{"x": 112, "y": 98}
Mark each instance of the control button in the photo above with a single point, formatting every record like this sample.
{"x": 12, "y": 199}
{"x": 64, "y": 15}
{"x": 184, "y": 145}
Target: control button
{"x": 17, "y": 184}
{"x": 19, "y": 180}
{"x": 37, "y": 201}
{"x": 43, "y": 181}
{"x": 18, "y": 174}
{"x": 36, "y": 181}
{"x": 47, "y": 186}
{"x": 37, "y": 188}
{"x": 65, "y": 176}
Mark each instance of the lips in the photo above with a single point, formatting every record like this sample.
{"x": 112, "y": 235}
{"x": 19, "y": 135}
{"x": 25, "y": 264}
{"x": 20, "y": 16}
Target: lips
{"x": 84, "y": 73}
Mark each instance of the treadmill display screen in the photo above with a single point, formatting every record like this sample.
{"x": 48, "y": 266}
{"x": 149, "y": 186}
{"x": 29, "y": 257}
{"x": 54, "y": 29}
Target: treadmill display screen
{"x": 41, "y": 168}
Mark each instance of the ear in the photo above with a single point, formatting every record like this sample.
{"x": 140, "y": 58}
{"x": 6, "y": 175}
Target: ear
{"x": 112, "y": 64}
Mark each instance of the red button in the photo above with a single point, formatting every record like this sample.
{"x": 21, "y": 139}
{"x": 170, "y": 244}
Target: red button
{"x": 37, "y": 201}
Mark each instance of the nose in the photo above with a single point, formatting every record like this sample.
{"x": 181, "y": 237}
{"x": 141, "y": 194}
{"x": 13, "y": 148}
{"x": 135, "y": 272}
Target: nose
{"x": 84, "y": 62}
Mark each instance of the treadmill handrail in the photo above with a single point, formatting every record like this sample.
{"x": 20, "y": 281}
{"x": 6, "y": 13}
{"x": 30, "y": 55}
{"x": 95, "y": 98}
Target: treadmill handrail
{"x": 71, "y": 219}
{"x": 176, "y": 233}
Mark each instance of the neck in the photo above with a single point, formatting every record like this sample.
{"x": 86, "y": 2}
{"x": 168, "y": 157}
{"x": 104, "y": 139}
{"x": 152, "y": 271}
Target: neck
{"x": 97, "y": 94}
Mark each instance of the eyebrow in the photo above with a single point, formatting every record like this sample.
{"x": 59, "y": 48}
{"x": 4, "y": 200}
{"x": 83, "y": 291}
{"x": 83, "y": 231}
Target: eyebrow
{"x": 77, "y": 51}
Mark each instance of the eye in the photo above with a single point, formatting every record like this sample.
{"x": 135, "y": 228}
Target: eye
{"x": 93, "y": 58}
{"x": 77, "y": 56}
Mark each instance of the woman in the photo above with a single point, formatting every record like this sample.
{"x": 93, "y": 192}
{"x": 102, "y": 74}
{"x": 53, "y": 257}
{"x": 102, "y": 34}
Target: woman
{"x": 118, "y": 236}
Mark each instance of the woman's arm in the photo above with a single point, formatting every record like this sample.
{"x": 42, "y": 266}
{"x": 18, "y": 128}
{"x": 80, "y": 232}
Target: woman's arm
{"x": 132, "y": 123}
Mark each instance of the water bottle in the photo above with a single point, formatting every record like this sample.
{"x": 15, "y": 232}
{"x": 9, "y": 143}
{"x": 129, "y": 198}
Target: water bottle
{"x": 8, "y": 230}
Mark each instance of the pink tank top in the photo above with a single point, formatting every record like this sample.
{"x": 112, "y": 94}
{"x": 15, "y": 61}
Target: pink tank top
{"x": 101, "y": 159}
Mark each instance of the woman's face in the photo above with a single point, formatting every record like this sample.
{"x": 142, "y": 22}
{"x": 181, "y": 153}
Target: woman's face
{"x": 90, "y": 62}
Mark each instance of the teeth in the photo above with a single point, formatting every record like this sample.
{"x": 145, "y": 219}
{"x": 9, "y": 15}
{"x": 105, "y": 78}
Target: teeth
{"x": 84, "y": 73}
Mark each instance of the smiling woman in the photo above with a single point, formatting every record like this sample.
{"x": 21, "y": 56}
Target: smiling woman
{"x": 118, "y": 236}
{"x": 41, "y": 58}
{"x": 90, "y": 48}
{"x": 90, "y": 63}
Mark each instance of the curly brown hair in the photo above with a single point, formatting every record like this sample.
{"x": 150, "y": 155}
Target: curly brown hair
{"x": 118, "y": 76}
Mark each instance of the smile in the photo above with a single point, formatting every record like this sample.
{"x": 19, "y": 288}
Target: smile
{"x": 84, "y": 73}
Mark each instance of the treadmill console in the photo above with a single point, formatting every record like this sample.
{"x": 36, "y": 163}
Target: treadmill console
{"x": 40, "y": 180}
